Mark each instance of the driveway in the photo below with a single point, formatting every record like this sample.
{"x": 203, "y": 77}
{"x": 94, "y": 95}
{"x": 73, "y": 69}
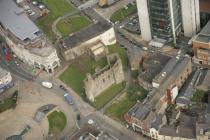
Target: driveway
{"x": 30, "y": 99}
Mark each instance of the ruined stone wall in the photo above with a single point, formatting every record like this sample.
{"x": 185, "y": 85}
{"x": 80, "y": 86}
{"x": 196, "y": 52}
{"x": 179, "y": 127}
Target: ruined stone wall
{"x": 104, "y": 78}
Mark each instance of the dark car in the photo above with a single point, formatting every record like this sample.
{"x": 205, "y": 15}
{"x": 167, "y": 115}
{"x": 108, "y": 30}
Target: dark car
{"x": 78, "y": 117}
{"x": 63, "y": 88}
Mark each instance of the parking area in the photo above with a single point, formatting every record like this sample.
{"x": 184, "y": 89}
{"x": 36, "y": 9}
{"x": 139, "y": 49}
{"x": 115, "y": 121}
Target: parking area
{"x": 132, "y": 24}
{"x": 34, "y": 9}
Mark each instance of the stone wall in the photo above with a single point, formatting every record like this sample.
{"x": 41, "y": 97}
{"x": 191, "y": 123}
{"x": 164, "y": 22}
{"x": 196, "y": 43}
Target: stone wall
{"x": 105, "y": 77}
{"x": 106, "y": 38}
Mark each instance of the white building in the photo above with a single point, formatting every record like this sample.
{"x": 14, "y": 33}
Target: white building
{"x": 5, "y": 79}
{"x": 25, "y": 39}
{"x": 43, "y": 58}
{"x": 144, "y": 20}
{"x": 162, "y": 21}
{"x": 190, "y": 17}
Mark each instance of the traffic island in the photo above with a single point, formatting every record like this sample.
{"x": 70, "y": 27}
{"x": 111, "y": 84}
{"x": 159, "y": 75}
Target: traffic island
{"x": 57, "y": 122}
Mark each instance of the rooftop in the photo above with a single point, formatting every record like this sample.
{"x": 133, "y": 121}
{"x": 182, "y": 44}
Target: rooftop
{"x": 166, "y": 70}
{"x": 188, "y": 89}
{"x": 86, "y": 34}
{"x": 152, "y": 66}
{"x": 44, "y": 51}
{"x": 16, "y": 21}
{"x": 139, "y": 111}
{"x": 153, "y": 104}
{"x": 89, "y": 132}
{"x": 185, "y": 128}
{"x": 204, "y": 35}
{"x": 158, "y": 93}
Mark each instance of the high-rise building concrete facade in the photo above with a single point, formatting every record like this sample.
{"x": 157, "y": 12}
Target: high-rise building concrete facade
{"x": 143, "y": 13}
{"x": 190, "y": 17}
{"x": 165, "y": 19}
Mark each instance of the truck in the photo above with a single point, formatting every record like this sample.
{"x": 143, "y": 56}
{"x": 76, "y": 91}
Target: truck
{"x": 47, "y": 84}
{"x": 69, "y": 98}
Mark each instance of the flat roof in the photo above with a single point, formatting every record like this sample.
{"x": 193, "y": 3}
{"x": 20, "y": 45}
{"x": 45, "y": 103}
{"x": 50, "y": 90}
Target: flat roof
{"x": 157, "y": 93}
{"x": 139, "y": 111}
{"x": 204, "y": 35}
{"x": 44, "y": 51}
{"x": 16, "y": 21}
{"x": 152, "y": 66}
{"x": 188, "y": 89}
{"x": 86, "y": 34}
{"x": 172, "y": 68}
{"x": 185, "y": 129}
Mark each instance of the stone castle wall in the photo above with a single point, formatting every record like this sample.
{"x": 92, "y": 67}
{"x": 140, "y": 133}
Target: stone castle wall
{"x": 104, "y": 78}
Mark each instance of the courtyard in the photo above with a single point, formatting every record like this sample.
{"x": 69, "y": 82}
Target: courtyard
{"x": 74, "y": 75}
{"x": 71, "y": 24}
{"x": 57, "y": 9}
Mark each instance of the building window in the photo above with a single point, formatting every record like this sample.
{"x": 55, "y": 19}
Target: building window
{"x": 200, "y": 62}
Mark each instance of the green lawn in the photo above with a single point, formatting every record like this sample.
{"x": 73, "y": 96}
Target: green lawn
{"x": 57, "y": 8}
{"x": 123, "y": 13}
{"x": 122, "y": 53}
{"x": 57, "y": 122}
{"x": 72, "y": 24}
{"x": 9, "y": 102}
{"x": 45, "y": 23}
{"x": 107, "y": 95}
{"x": 136, "y": 92}
{"x": 74, "y": 75}
{"x": 118, "y": 109}
{"x": 135, "y": 74}
{"x": 198, "y": 96}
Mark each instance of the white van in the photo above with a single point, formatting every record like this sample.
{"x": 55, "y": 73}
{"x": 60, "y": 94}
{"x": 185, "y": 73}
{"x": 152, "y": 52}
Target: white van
{"x": 47, "y": 84}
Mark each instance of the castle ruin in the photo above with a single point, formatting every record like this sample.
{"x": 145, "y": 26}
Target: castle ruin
{"x": 104, "y": 78}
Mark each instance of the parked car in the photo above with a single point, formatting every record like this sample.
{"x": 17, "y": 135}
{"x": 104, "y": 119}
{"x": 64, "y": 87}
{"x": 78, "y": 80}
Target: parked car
{"x": 68, "y": 98}
{"x": 34, "y": 2}
{"x": 47, "y": 84}
{"x": 41, "y": 6}
{"x": 63, "y": 88}
{"x": 145, "y": 48}
{"x": 78, "y": 117}
{"x": 17, "y": 63}
{"x": 31, "y": 14}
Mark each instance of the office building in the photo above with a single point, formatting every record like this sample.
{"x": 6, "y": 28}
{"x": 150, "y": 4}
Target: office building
{"x": 190, "y": 17}
{"x": 162, "y": 21}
